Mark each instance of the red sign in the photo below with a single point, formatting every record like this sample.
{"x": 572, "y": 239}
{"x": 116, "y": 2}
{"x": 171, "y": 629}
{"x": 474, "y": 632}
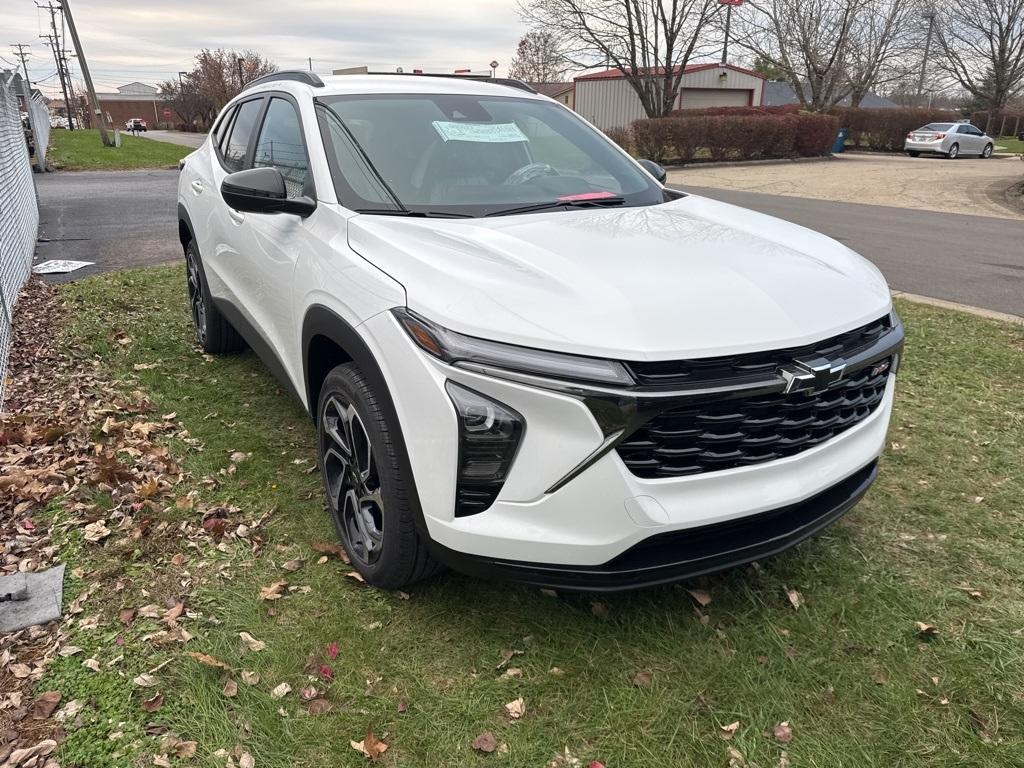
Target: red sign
{"x": 167, "y": 114}
{"x": 730, "y": 2}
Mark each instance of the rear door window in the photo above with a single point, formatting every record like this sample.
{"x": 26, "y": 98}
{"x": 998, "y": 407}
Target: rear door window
{"x": 222, "y": 129}
{"x": 237, "y": 147}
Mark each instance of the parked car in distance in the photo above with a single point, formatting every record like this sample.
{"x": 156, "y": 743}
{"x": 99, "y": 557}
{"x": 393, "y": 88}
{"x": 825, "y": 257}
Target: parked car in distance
{"x": 136, "y": 124}
{"x": 525, "y": 356}
{"x": 949, "y": 139}
{"x": 58, "y": 122}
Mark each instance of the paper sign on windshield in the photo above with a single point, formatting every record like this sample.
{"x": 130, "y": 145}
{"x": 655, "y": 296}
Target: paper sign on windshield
{"x": 492, "y": 133}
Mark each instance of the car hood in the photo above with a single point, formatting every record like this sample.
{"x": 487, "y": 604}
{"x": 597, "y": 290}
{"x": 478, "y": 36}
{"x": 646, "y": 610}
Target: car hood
{"x": 689, "y": 278}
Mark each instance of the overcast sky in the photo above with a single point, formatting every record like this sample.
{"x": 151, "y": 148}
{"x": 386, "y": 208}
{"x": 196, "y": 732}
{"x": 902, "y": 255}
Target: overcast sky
{"x": 150, "y": 40}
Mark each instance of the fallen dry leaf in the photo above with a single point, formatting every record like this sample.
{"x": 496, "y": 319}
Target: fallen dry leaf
{"x": 795, "y": 598}
{"x": 326, "y": 548}
{"x": 485, "y": 742}
{"x": 250, "y": 678}
{"x": 925, "y": 630}
{"x": 516, "y": 709}
{"x": 370, "y": 746}
{"x": 230, "y": 688}
{"x": 332, "y": 651}
{"x": 245, "y": 760}
{"x": 641, "y": 679}
{"x": 281, "y": 691}
{"x": 783, "y": 732}
{"x": 251, "y": 642}
{"x": 186, "y": 749}
{"x": 96, "y": 531}
{"x": 356, "y": 576}
{"x": 162, "y": 761}
{"x": 273, "y": 591}
{"x": 145, "y": 680}
{"x": 153, "y": 703}
{"x": 727, "y": 731}
{"x": 702, "y": 597}
{"x": 92, "y": 664}
{"x": 208, "y": 660}
{"x": 599, "y": 609}
{"x": 172, "y": 614}
{"x": 319, "y": 707}
{"x": 292, "y": 565}
{"x": 127, "y": 616}
{"x": 45, "y": 704}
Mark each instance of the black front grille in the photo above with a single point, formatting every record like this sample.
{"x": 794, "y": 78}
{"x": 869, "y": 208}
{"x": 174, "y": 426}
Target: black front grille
{"x": 712, "y": 436}
{"x": 734, "y": 368}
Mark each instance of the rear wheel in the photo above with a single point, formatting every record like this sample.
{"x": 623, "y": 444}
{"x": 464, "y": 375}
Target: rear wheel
{"x": 986, "y": 153}
{"x": 213, "y": 332}
{"x": 369, "y": 492}
{"x": 914, "y": 154}
{"x": 954, "y": 152}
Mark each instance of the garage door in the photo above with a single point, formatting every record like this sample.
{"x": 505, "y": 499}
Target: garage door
{"x": 699, "y": 98}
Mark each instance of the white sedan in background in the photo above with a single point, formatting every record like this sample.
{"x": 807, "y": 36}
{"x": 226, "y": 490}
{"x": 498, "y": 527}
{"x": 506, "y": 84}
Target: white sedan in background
{"x": 949, "y": 139}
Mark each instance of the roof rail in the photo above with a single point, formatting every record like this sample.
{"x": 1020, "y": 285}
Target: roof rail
{"x": 467, "y": 76}
{"x": 298, "y": 75}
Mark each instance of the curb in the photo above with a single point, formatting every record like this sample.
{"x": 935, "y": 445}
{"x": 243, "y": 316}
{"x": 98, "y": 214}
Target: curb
{"x": 741, "y": 163}
{"x": 989, "y": 314}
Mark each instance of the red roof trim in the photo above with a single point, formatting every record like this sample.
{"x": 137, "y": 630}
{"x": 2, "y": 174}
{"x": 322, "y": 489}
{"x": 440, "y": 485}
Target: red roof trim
{"x": 616, "y": 74}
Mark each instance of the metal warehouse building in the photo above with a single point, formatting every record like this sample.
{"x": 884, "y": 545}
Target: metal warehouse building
{"x": 608, "y": 101}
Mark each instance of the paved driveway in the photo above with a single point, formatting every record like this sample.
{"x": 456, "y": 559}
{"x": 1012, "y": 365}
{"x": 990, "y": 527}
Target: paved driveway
{"x": 117, "y": 219}
{"x": 177, "y": 137}
{"x": 968, "y": 185}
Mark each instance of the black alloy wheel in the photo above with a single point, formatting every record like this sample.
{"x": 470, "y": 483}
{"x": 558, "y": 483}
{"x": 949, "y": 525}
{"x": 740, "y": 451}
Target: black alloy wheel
{"x": 353, "y": 485}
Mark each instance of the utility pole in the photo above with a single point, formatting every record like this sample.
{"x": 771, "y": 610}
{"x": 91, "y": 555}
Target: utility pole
{"x": 100, "y": 120}
{"x": 930, "y": 16}
{"x": 60, "y": 60}
{"x": 310, "y": 63}
{"x": 241, "y": 77}
{"x": 26, "y": 92}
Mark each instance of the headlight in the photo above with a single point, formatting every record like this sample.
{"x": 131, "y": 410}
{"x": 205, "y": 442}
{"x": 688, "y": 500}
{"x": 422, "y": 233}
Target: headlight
{"x": 453, "y": 348}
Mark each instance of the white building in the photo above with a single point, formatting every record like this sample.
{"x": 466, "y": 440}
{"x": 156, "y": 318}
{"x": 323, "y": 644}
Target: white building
{"x": 608, "y": 101}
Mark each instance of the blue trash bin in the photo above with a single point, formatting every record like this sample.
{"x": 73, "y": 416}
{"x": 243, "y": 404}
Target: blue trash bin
{"x": 840, "y": 140}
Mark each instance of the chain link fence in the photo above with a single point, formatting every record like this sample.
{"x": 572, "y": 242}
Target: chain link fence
{"x": 19, "y": 211}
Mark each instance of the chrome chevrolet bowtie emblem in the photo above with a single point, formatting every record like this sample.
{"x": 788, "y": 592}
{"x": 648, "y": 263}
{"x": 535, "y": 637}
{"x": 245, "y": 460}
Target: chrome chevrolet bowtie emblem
{"x": 812, "y": 374}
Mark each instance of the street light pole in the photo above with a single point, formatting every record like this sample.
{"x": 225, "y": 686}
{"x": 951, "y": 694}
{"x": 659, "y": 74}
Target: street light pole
{"x": 930, "y": 16}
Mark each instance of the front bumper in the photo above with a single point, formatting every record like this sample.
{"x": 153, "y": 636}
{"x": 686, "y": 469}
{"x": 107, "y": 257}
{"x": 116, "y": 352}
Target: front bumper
{"x": 669, "y": 557}
{"x": 595, "y": 524}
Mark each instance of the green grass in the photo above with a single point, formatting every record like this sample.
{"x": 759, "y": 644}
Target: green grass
{"x": 847, "y": 670}
{"x": 1010, "y": 144}
{"x": 83, "y": 151}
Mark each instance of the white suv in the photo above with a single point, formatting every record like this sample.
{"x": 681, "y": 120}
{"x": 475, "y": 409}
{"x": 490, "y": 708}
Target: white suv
{"x": 524, "y": 356}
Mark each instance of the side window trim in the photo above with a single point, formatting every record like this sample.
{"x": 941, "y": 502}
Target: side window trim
{"x": 247, "y": 162}
{"x": 310, "y": 185}
{"x": 223, "y": 130}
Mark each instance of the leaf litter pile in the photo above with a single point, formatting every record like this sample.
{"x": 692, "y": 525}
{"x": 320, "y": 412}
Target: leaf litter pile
{"x": 84, "y": 459}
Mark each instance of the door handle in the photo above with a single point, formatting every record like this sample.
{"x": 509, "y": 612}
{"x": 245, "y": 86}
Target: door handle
{"x": 197, "y": 187}
{"x": 235, "y": 216}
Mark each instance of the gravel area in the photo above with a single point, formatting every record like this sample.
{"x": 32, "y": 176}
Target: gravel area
{"x": 968, "y": 185}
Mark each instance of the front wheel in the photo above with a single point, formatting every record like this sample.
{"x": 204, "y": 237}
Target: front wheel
{"x": 986, "y": 153}
{"x": 954, "y": 152}
{"x": 370, "y": 496}
{"x": 914, "y": 154}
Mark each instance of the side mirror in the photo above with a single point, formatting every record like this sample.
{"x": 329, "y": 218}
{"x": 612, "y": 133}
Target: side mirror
{"x": 654, "y": 169}
{"x": 262, "y": 190}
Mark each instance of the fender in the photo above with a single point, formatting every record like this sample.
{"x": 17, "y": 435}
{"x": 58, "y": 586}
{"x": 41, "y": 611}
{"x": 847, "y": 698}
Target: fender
{"x": 323, "y": 322}
{"x": 185, "y": 226}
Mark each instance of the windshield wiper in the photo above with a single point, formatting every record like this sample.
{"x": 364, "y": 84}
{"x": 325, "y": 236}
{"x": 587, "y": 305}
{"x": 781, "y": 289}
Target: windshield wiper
{"x": 600, "y": 202}
{"x": 414, "y": 214}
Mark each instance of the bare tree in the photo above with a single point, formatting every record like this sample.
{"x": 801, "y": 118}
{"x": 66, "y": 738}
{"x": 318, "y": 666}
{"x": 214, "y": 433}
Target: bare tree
{"x": 538, "y": 59}
{"x": 215, "y": 79}
{"x": 982, "y": 43}
{"x": 881, "y": 41}
{"x": 650, "y": 41}
{"x": 188, "y": 103}
{"x": 809, "y": 41}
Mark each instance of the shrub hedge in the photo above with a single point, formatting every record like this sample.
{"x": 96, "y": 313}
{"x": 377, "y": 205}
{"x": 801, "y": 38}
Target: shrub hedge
{"x": 886, "y": 129}
{"x": 734, "y": 135}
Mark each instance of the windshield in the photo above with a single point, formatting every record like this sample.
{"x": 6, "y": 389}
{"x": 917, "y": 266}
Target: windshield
{"x": 463, "y": 155}
{"x": 936, "y": 127}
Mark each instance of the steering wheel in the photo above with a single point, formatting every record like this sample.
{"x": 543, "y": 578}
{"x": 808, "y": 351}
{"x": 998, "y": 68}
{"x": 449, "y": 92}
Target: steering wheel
{"x": 527, "y": 172}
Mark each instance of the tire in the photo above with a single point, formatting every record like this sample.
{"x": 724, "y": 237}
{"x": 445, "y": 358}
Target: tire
{"x": 914, "y": 154}
{"x": 213, "y": 332}
{"x": 986, "y": 153}
{"x": 370, "y": 494}
{"x": 954, "y": 152}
